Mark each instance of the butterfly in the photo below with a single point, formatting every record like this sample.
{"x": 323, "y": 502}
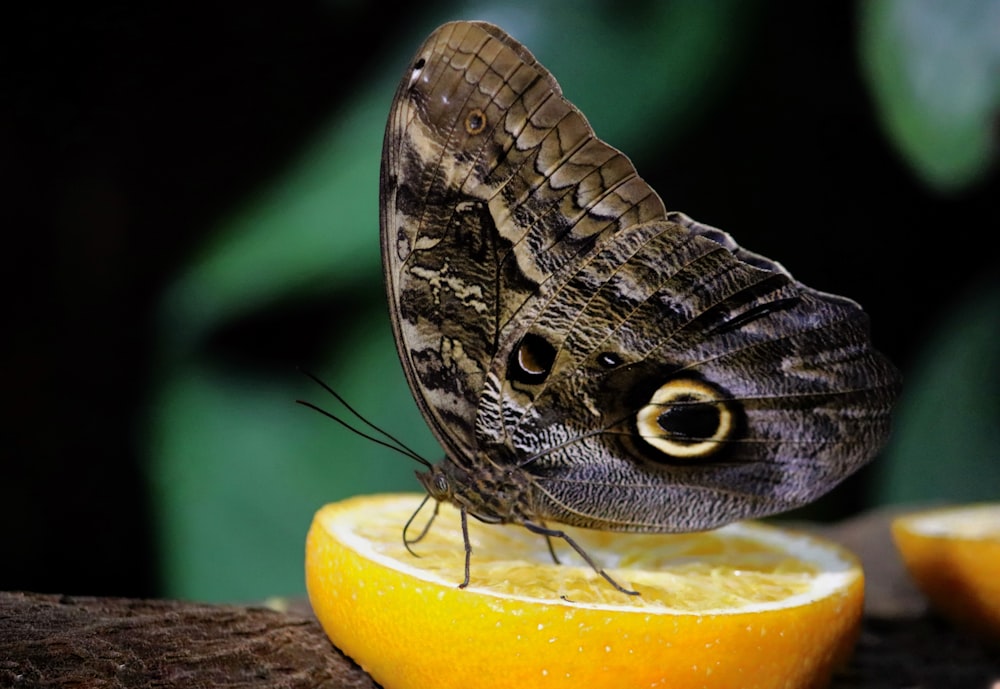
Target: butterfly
{"x": 583, "y": 356}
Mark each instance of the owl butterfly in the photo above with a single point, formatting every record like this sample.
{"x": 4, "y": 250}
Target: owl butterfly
{"x": 584, "y": 356}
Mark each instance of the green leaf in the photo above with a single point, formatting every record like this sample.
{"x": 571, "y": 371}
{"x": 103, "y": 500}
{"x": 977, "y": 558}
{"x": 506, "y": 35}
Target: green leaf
{"x": 934, "y": 71}
{"x": 315, "y": 229}
{"x": 945, "y": 443}
{"x": 239, "y": 469}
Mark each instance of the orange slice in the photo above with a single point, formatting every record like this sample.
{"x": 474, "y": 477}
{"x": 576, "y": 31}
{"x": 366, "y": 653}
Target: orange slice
{"x": 953, "y": 555}
{"x": 748, "y": 605}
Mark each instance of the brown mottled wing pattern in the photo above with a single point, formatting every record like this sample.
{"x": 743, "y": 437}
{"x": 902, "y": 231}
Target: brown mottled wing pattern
{"x": 473, "y": 222}
{"x": 547, "y": 310}
{"x": 813, "y": 399}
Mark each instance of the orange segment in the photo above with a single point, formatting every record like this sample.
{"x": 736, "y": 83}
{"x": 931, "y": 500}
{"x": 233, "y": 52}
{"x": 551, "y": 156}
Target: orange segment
{"x": 953, "y": 555}
{"x": 745, "y": 606}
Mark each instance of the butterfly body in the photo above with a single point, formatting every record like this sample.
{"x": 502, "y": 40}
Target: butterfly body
{"x": 583, "y": 356}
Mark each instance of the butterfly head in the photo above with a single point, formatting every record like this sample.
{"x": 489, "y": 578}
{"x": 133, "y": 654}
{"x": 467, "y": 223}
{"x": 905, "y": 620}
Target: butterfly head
{"x": 436, "y": 483}
{"x": 491, "y": 493}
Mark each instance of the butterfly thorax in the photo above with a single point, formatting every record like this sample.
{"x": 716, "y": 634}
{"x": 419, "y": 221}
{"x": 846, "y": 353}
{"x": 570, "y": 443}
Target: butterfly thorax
{"x": 491, "y": 494}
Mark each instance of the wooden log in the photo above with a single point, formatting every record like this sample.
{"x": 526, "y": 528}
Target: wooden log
{"x": 51, "y": 641}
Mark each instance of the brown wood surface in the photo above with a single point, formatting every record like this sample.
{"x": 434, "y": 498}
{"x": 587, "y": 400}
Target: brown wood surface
{"x": 63, "y": 641}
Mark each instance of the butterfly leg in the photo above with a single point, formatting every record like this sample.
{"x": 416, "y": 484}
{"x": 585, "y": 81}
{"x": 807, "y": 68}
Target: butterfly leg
{"x": 552, "y": 548}
{"x": 468, "y": 548}
{"x": 555, "y": 533}
{"x": 423, "y": 532}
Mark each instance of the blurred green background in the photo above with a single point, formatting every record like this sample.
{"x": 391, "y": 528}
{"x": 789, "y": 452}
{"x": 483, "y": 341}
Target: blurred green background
{"x": 193, "y": 203}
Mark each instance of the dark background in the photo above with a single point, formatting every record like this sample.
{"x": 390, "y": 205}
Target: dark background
{"x": 127, "y": 131}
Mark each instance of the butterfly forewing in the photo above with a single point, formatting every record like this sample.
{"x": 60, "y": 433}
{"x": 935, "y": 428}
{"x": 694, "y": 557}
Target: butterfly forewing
{"x": 491, "y": 182}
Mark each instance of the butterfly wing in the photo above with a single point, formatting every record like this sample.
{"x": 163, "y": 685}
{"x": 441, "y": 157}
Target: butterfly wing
{"x": 642, "y": 370}
{"x": 682, "y": 387}
{"x": 491, "y": 182}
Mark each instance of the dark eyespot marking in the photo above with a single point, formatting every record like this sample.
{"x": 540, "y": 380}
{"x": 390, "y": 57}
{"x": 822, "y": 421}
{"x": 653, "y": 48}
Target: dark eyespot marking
{"x": 531, "y": 361}
{"x": 475, "y": 122}
{"x": 687, "y": 419}
{"x": 690, "y": 420}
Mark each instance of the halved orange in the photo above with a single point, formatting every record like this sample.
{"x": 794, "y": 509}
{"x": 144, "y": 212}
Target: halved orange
{"x": 953, "y": 555}
{"x": 745, "y": 606}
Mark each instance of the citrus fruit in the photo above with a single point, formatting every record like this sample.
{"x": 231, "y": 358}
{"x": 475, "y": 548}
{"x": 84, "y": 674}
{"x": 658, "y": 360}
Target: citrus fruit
{"x": 748, "y": 605}
{"x": 953, "y": 555}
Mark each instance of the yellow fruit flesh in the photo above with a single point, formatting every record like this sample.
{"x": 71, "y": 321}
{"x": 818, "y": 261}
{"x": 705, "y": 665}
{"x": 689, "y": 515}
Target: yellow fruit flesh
{"x": 953, "y": 555}
{"x": 714, "y": 611}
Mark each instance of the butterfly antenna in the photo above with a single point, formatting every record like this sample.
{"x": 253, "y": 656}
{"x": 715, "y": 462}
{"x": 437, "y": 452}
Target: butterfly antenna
{"x": 391, "y": 442}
